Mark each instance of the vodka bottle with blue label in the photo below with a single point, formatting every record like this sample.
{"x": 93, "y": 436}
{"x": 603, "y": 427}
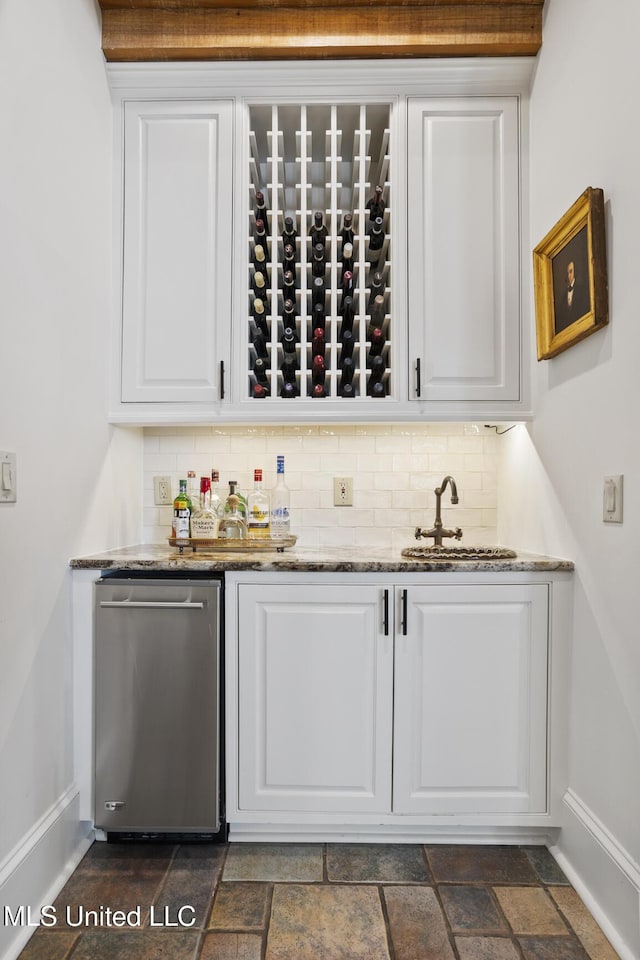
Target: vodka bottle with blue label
{"x": 280, "y": 504}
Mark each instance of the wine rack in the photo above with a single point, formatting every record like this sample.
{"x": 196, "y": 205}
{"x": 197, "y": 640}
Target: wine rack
{"x": 314, "y": 165}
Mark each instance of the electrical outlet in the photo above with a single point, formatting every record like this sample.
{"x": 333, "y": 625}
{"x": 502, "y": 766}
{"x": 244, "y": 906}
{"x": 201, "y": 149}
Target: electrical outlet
{"x": 343, "y": 491}
{"x": 162, "y": 491}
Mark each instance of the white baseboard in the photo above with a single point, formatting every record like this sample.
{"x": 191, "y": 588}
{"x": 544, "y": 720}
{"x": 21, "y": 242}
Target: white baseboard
{"x": 603, "y": 874}
{"x": 241, "y": 832}
{"x": 35, "y": 871}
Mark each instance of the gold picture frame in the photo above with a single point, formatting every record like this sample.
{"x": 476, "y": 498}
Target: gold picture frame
{"x": 570, "y": 277}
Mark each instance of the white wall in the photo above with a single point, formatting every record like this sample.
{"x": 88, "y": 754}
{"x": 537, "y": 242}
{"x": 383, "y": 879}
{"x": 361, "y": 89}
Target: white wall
{"x": 75, "y": 473}
{"x": 395, "y": 469}
{"x": 550, "y": 494}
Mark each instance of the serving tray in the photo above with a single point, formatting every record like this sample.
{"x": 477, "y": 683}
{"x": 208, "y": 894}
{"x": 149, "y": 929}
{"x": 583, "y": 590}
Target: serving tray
{"x": 222, "y": 545}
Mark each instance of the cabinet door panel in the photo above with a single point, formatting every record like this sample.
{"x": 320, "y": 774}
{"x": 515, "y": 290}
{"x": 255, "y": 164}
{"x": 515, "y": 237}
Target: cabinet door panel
{"x": 471, "y": 695}
{"x": 315, "y": 699}
{"x": 177, "y": 250}
{"x": 463, "y": 219}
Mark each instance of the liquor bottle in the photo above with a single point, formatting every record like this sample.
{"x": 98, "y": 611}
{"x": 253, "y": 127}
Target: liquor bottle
{"x": 318, "y": 262}
{"x": 317, "y": 291}
{"x": 289, "y": 390}
{"x": 216, "y": 499}
{"x": 233, "y": 525}
{"x": 376, "y": 319}
{"x": 348, "y": 313}
{"x": 259, "y": 391}
{"x": 289, "y": 258}
{"x": 259, "y": 318}
{"x": 318, "y": 231}
{"x": 346, "y": 234}
{"x": 318, "y": 370}
{"x": 260, "y": 368}
{"x": 289, "y": 340}
{"x": 377, "y": 389}
{"x": 280, "y": 504}
{"x": 260, "y": 237}
{"x": 318, "y": 344}
{"x": 376, "y": 205}
{"x": 318, "y": 318}
{"x": 259, "y": 259}
{"x": 347, "y": 368}
{"x": 377, "y": 288}
{"x": 289, "y": 285}
{"x": 346, "y": 390}
{"x": 240, "y": 506}
{"x": 260, "y": 210}
{"x": 288, "y": 368}
{"x": 319, "y": 390}
{"x": 375, "y": 386}
{"x": 260, "y": 285}
{"x": 347, "y": 339}
{"x": 258, "y": 510}
{"x": 260, "y": 345}
{"x": 376, "y": 240}
{"x": 181, "y": 524}
{"x": 347, "y": 288}
{"x": 377, "y": 342}
{"x": 205, "y": 520}
{"x": 289, "y": 234}
{"x": 193, "y": 488}
{"x": 289, "y": 314}
{"x": 347, "y": 258}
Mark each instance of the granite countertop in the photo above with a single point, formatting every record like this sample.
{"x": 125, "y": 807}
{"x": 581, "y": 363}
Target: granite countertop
{"x": 305, "y": 559}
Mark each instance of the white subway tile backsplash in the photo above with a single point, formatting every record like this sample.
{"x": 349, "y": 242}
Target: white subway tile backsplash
{"x": 395, "y": 469}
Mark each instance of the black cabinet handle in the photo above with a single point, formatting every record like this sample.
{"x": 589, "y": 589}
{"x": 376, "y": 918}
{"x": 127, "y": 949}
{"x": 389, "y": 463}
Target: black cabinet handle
{"x": 385, "y": 615}
{"x": 418, "y": 378}
{"x": 222, "y": 379}
{"x": 404, "y": 613}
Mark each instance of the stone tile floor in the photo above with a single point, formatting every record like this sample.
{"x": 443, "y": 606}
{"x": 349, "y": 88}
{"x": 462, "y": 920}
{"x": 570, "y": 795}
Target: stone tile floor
{"x": 318, "y": 902}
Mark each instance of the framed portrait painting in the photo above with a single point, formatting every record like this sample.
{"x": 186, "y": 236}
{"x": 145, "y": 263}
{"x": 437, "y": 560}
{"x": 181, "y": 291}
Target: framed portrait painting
{"x": 570, "y": 277}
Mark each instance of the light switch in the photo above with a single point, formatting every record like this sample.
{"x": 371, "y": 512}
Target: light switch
{"x": 8, "y": 478}
{"x": 612, "y": 500}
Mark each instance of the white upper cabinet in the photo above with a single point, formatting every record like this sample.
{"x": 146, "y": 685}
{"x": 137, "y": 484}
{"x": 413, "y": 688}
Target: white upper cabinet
{"x": 176, "y": 286}
{"x": 464, "y": 250}
{"x": 447, "y": 337}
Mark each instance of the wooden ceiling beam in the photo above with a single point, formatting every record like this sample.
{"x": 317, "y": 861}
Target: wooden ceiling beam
{"x": 163, "y": 30}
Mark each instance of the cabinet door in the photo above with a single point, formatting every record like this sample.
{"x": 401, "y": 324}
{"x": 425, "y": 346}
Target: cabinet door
{"x": 177, "y": 250}
{"x": 463, "y": 255}
{"x": 471, "y": 701}
{"x": 315, "y": 699}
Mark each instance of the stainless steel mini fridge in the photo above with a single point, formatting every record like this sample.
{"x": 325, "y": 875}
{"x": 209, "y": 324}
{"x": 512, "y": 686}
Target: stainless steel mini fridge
{"x": 157, "y": 706}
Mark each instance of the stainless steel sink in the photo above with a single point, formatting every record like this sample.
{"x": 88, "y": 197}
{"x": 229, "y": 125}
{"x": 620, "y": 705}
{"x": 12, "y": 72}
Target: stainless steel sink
{"x": 458, "y": 553}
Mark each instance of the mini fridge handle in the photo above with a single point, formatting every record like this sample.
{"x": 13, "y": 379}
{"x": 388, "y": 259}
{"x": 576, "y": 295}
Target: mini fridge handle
{"x": 151, "y": 603}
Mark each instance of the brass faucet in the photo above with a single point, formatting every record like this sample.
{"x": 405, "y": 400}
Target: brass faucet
{"x": 437, "y": 531}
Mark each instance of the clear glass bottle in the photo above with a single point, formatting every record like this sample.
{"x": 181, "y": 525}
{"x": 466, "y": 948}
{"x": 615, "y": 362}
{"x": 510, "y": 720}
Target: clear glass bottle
{"x": 240, "y": 506}
{"x": 193, "y": 488}
{"x": 280, "y": 504}
{"x": 233, "y": 525}
{"x": 258, "y": 511}
{"x": 205, "y": 520}
{"x": 216, "y": 499}
{"x": 181, "y": 524}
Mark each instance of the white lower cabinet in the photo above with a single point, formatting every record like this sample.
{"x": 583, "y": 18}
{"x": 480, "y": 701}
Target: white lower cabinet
{"x": 315, "y": 699}
{"x": 414, "y": 702}
{"x": 470, "y": 721}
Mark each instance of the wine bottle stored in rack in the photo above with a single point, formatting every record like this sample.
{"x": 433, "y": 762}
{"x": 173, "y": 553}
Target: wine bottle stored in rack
{"x": 319, "y": 239}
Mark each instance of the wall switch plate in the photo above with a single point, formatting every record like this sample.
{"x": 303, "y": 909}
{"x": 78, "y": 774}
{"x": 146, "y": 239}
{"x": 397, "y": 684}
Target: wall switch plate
{"x": 8, "y": 478}
{"x": 162, "y": 491}
{"x": 612, "y": 499}
{"x": 343, "y": 491}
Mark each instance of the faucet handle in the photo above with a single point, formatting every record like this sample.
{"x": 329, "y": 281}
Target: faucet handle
{"x": 458, "y": 533}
